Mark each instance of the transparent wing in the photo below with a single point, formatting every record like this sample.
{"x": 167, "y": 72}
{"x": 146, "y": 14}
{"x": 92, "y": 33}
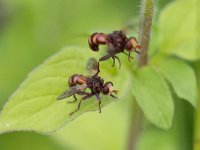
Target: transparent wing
{"x": 73, "y": 90}
{"x": 92, "y": 66}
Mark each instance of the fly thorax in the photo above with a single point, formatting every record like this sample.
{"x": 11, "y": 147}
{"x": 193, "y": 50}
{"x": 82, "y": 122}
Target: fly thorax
{"x": 116, "y": 41}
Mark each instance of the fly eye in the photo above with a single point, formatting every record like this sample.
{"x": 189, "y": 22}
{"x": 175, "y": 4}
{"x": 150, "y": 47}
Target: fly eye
{"x": 105, "y": 89}
{"x": 129, "y": 45}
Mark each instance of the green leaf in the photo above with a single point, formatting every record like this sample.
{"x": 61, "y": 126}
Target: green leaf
{"x": 178, "y": 31}
{"x": 110, "y": 128}
{"x": 34, "y": 106}
{"x": 28, "y": 140}
{"x": 182, "y": 78}
{"x": 196, "y": 141}
{"x": 197, "y": 127}
{"x": 179, "y": 137}
{"x": 153, "y": 96}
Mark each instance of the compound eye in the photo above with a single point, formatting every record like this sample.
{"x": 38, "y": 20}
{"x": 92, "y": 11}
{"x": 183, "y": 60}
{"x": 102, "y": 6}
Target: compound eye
{"x": 106, "y": 89}
{"x": 132, "y": 44}
{"x": 129, "y": 45}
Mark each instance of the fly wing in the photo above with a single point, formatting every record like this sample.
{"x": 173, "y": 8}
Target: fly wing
{"x": 92, "y": 66}
{"x": 73, "y": 90}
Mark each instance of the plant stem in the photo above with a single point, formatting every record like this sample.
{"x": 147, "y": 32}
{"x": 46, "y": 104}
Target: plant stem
{"x": 146, "y": 16}
{"x": 135, "y": 125}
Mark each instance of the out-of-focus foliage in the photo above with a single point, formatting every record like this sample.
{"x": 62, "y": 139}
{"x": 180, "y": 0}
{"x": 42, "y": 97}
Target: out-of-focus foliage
{"x": 183, "y": 81}
{"x": 179, "y": 137}
{"x": 26, "y": 140}
{"x": 178, "y": 31}
{"x": 197, "y": 111}
{"x": 154, "y": 99}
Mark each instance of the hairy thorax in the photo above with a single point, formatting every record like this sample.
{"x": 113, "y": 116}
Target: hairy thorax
{"x": 116, "y": 41}
{"x": 95, "y": 84}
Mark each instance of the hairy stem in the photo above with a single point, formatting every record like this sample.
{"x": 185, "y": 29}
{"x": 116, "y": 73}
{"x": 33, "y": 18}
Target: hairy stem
{"x": 146, "y": 16}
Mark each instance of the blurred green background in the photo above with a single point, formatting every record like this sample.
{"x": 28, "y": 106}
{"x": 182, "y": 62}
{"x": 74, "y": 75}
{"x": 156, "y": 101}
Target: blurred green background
{"x": 33, "y": 30}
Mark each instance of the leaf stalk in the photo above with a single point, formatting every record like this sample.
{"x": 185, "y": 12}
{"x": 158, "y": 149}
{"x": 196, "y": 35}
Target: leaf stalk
{"x": 146, "y": 17}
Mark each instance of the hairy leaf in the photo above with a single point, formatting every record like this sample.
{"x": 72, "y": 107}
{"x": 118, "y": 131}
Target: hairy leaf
{"x": 153, "y": 96}
{"x": 178, "y": 30}
{"x": 34, "y": 106}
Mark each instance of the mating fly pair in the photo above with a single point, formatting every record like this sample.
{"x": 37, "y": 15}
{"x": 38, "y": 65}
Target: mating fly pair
{"x": 79, "y": 83}
{"x": 117, "y": 42}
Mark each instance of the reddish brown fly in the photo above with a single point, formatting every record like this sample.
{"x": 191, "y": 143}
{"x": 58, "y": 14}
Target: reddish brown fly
{"x": 117, "y": 42}
{"x": 79, "y": 83}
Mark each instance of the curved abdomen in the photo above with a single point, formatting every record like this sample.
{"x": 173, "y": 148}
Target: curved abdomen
{"x": 95, "y": 39}
{"x": 76, "y": 79}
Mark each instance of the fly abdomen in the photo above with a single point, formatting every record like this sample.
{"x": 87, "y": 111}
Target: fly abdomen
{"x": 95, "y": 39}
{"x": 76, "y": 79}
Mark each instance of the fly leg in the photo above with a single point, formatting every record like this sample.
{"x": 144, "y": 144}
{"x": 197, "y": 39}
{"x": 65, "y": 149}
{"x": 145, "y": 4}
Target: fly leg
{"x": 137, "y": 52}
{"x": 99, "y": 100}
{"x": 111, "y": 54}
{"x": 88, "y": 95}
{"x": 129, "y": 56}
{"x": 113, "y": 96}
{"x": 98, "y": 70}
{"x": 78, "y": 92}
{"x": 113, "y": 61}
{"x": 75, "y": 99}
{"x": 105, "y": 57}
{"x": 138, "y": 46}
{"x": 79, "y": 105}
{"x": 113, "y": 57}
